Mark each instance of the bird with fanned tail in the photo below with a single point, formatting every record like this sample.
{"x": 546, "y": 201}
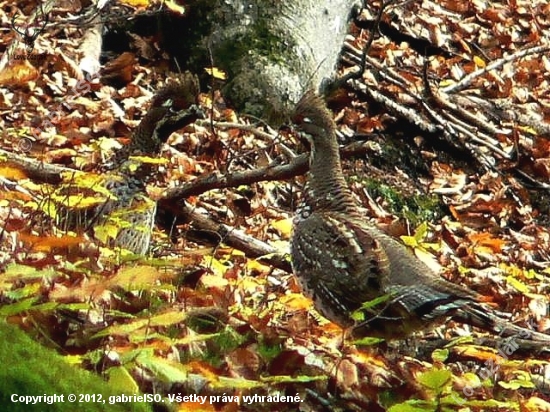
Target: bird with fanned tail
{"x": 359, "y": 277}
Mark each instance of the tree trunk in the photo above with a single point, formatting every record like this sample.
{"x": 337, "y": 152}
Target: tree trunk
{"x": 272, "y": 50}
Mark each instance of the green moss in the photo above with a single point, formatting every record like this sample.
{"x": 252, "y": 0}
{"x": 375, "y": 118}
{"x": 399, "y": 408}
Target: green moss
{"x": 416, "y": 208}
{"x": 29, "y": 369}
{"x": 260, "y": 39}
{"x": 269, "y": 350}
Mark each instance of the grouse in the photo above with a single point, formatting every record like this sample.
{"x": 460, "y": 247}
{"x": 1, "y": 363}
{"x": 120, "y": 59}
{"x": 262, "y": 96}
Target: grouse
{"x": 121, "y": 214}
{"x": 357, "y": 276}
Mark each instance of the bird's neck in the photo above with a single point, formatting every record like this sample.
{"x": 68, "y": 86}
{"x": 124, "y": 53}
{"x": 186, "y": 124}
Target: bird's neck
{"x": 326, "y": 188}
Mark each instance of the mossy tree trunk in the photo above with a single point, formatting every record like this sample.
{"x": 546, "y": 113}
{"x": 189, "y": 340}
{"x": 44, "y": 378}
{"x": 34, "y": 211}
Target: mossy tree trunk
{"x": 272, "y": 50}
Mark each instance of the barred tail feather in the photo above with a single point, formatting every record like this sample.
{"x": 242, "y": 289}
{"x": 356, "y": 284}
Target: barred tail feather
{"x": 482, "y": 317}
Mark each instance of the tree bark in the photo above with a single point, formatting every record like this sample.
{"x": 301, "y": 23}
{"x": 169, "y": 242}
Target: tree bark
{"x": 273, "y": 50}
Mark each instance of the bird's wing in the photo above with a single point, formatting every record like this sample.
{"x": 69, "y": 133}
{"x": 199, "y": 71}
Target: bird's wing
{"x": 337, "y": 264}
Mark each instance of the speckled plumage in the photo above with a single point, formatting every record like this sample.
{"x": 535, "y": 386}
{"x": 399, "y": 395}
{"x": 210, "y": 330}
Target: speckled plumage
{"x": 344, "y": 262}
{"x": 125, "y": 218}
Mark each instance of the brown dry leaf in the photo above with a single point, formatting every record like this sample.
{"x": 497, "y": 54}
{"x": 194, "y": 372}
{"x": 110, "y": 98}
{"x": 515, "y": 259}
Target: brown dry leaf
{"x": 243, "y": 363}
{"x": 120, "y": 70}
{"x": 88, "y": 290}
{"x": 347, "y": 374}
{"x": 60, "y": 155}
{"x": 204, "y": 369}
{"x": 214, "y": 282}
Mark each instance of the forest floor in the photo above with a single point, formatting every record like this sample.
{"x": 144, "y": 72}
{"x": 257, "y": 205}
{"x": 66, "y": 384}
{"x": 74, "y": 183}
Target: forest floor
{"x": 197, "y": 317}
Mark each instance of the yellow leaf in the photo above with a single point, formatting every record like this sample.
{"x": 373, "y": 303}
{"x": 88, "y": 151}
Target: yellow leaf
{"x": 216, "y": 73}
{"x": 296, "y": 301}
{"x": 479, "y": 62}
{"x": 217, "y": 267}
{"x": 214, "y": 282}
{"x": 283, "y": 226}
{"x": 168, "y": 319}
{"x": 149, "y": 160}
{"x": 12, "y": 173}
{"x": 77, "y": 201}
{"x": 136, "y": 3}
{"x": 447, "y": 82}
{"x": 253, "y": 265}
{"x": 165, "y": 319}
{"x": 107, "y": 231}
{"x": 528, "y": 129}
{"x": 250, "y": 284}
{"x": 520, "y": 286}
{"x": 176, "y": 8}
{"x": 107, "y": 144}
{"x": 136, "y": 277}
{"x": 535, "y": 404}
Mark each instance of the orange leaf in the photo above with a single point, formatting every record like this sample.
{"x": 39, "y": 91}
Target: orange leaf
{"x": 204, "y": 369}
{"x": 296, "y": 301}
{"x": 12, "y": 172}
{"x": 487, "y": 241}
{"x": 47, "y": 243}
{"x": 18, "y": 75}
{"x": 195, "y": 407}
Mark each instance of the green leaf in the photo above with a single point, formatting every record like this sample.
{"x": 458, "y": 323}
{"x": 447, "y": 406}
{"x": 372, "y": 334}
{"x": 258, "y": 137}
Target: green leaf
{"x": 421, "y": 232}
{"x": 436, "y": 379}
{"x": 520, "y": 286}
{"x": 18, "y": 307}
{"x": 440, "y": 355}
{"x": 368, "y": 341}
{"x": 413, "y": 405}
{"x": 359, "y": 314}
{"x": 292, "y": 379}
{"x": 167, "y": 371}
{"x": 121, "y": 378}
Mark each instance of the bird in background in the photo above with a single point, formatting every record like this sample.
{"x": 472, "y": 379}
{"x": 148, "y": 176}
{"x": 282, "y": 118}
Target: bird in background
{"x": 357, "y": 276}
{"x": 125, "y": 215}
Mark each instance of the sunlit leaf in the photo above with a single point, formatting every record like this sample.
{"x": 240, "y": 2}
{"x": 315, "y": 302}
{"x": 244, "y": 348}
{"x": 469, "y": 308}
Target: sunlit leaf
{"x": 436, "y": 379}
{"x": 119, "y": 377}
{"x": 440, "y": 355}
{"x": 176, "y": 8}
{"x": 216, "y": 73}
{"x": 368, "y": 341}
{"x": 479, "y": 62}
{"x": 413, "y": 406}
{"x": 138, "y": 277}
{"x": 12, "y": 172}
{"x": 217, "y": 267}
{"x": 518, "y": 285}
{"x": 283, "y": 226}
{"x": 149, "y": 160}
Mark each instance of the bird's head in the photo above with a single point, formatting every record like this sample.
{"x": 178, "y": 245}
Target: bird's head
{"x": 314, "y": 121}
{"x": 312, "y": 117}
